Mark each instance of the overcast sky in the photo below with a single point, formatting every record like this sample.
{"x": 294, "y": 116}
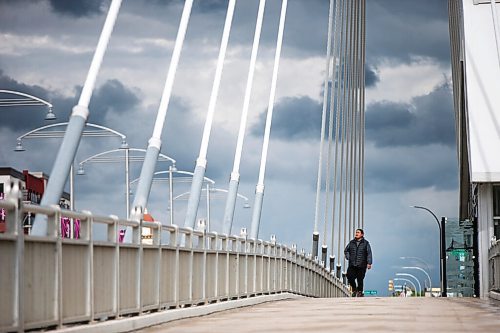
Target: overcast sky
{"x": 46, "y": 47}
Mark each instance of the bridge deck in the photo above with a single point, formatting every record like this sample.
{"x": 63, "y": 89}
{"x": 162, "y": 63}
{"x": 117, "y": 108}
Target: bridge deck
{"x": 342, "y": 315}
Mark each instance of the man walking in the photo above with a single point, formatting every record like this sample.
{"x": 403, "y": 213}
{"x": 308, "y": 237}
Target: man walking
{"x": 359, "y": 254}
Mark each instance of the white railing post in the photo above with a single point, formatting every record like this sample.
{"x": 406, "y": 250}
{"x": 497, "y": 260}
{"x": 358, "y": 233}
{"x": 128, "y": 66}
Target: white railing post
{"x": 86, "y": 233}
{"x": 53, "y": 222}
{"x": 159, "y": 262}
{"x": 140, "y": 254}
{"x": 189, "y": 245}
{"x": 174, "y": 241}
{"x": 214, "y": 247}
{"x": 14, "y": 225}
{"x": 225, "y": 249}
{"x": 114, "y": 238}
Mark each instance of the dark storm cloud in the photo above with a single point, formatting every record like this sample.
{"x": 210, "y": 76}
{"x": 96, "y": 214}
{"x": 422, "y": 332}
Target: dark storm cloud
{"x": 8, "y": 83}
{"x": 406, "y": 168}
{"x": 427, "y": 119}
{"x": 298, "y": 118}
{"x": 401, "y": 30}
{"x": 112, "y": 96}
{"x": 210, "y": 5}
{"x": 182, "y": 139}
{"x": 294, "y": 118}
{"x": 371, "y": 76}
{"x": 79, "y": 8}
{"x": 29, "y": 117}
{"x": 203, "y": 5}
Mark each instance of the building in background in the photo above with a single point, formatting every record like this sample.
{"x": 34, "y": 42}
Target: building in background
{"x": 33, "y": 185}
{"x": 475, "y": 55}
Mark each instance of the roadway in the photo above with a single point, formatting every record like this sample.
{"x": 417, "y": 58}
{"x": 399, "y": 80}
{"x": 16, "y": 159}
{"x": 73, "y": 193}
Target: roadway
{"x": 369, "y": 314}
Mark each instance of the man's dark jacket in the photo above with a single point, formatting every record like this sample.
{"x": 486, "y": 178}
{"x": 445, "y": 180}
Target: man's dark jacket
{"x": 358, "y": 255}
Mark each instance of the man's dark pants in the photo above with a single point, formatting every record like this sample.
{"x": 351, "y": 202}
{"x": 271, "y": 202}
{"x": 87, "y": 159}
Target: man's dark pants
{"x": 356, "y": 273}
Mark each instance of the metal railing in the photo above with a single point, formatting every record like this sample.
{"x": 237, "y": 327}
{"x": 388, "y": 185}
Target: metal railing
{"x": 50, "y": 281}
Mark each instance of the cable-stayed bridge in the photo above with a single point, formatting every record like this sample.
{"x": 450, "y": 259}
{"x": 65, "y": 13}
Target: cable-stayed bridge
{"x": 138, "y": 272}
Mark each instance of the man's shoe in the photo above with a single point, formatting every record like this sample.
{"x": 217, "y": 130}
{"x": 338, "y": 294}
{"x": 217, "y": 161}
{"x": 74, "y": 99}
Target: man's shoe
{"x": 360, "y": 294}
{"x": 354, "y": 294}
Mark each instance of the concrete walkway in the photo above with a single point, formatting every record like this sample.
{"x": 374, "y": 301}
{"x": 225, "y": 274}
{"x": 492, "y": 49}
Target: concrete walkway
{"x": 345, "y": 314}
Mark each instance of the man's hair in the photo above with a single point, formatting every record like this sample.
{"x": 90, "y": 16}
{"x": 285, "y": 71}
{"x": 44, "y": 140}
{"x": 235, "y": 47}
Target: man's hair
{"x": 361, "y": 230}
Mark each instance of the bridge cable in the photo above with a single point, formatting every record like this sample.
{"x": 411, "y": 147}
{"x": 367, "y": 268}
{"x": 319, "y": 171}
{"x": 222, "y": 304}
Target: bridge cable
{"x": 327, "y": 180}
{"x": 344, "y": 125}
{"x": 235, "y": 175}
{"x": 352, "y": 114}
{"x": 154, "y": 144}
{"x": 259, "y": 189}
{"x": 334, "y": 101}
{"x": 74, "y": 131}
{"x": 348, "y": 126}
{"x": 356, "y": 121}
{"x": 363, "y": 64}
{"x": 322, "y": 134}
{"x": 339, "y": 134}
{"x": 201, "y": 161}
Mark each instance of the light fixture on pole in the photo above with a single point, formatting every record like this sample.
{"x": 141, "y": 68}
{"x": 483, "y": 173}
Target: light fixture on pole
{"x": 19, "y": 146}
{"x": 107, "y": 157}
{"x": 418, "y": 259}
{"x": 170, "y": 180}
{"x": 26, "y": 100}
{"x": 414, "y": 277}
{"x": 442, "y": 267}
{"x": 422, "y": 270}
{"x": 216, "y": 190}
{"x": 51, "y": 132}
{"x": 407, "y": 280}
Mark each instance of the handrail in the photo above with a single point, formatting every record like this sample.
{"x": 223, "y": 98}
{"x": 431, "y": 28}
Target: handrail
{"x": 96, "y": 279}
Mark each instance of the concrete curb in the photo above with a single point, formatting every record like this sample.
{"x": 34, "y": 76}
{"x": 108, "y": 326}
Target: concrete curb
{"x": 494, "y": 295}
{"x": 140, "y": 322}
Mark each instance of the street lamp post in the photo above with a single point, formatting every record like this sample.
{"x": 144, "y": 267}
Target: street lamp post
{"x": 420, "y": 269}
{"x": 412, "y": 276}
{"x": 171, "y": 171}
{"x": 422, "y": 261}
{"x": 214, "y": 189}
{"x": 104, "y": 158}
{"x": 407, "y": 280}
{"x": 25, "y": 100}
{"x": 47, "y": 132}
{"x": 442, "y": 267}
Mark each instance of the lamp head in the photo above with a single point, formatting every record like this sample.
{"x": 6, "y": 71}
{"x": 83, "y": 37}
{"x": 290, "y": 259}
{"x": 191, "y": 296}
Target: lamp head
{"x": 124, "y": 144}
{"x": 19, "y": 146}
{"x": 81, "y": 170}
{"x": 50, "y": 115}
